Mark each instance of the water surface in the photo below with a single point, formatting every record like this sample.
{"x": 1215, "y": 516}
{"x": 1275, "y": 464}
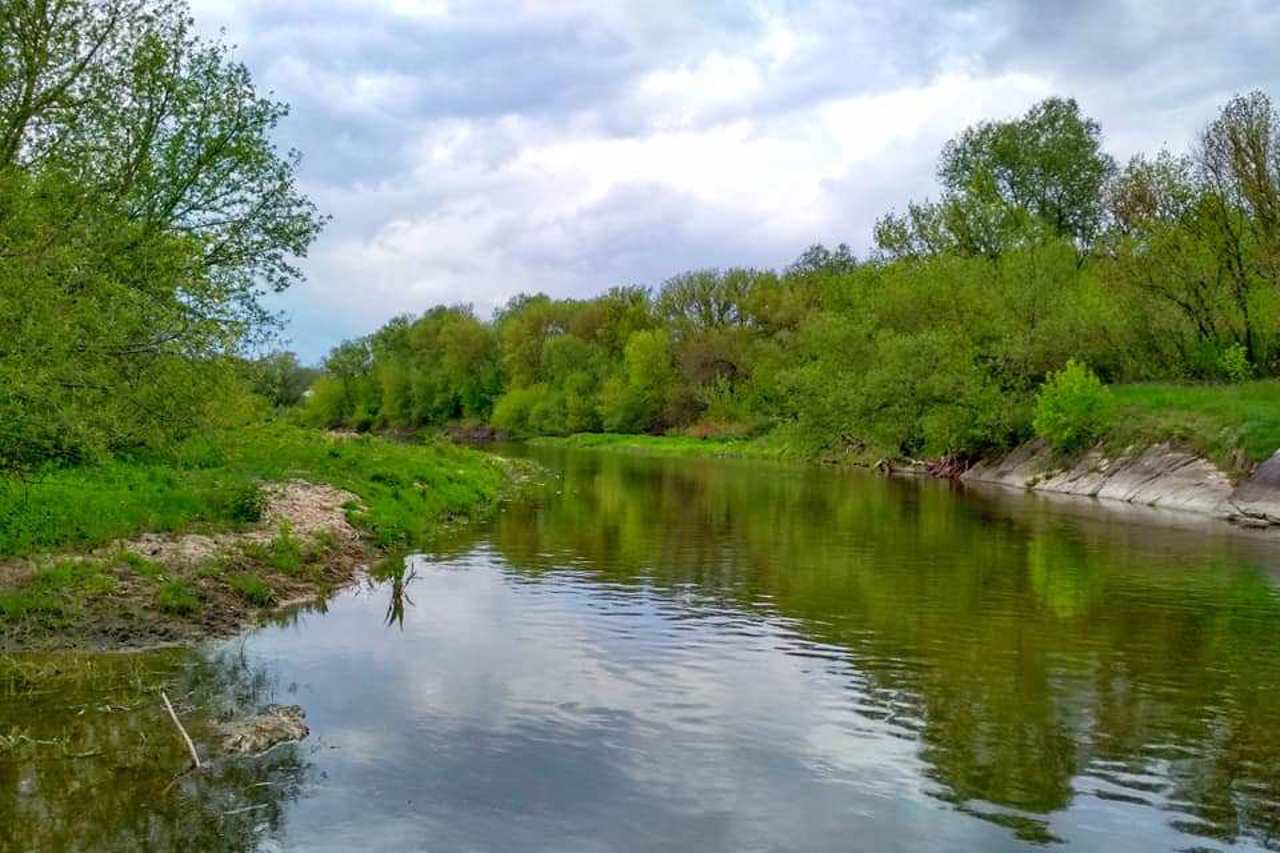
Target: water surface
{"x": 673, "y": 654}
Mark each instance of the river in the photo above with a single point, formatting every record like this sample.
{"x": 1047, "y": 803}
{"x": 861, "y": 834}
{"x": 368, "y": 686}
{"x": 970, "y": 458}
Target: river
{"x": 672, "y": 654}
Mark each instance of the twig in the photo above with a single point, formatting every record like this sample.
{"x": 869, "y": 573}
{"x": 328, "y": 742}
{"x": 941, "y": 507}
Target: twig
{"x": 191, "y": 746}
{"x": 246, "y": 809}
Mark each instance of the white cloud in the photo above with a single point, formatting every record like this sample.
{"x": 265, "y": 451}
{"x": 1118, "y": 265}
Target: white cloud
{"x": 471, "y": 151}
{"x": 512, "y": 205}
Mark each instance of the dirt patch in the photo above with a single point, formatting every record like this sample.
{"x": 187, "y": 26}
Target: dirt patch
{"x": 159, "y": 589}
{"x": 309, "y": 509}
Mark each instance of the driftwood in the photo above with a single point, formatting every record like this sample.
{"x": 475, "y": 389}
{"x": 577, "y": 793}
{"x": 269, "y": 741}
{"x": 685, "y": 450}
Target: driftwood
{"x": 195, "y": 757}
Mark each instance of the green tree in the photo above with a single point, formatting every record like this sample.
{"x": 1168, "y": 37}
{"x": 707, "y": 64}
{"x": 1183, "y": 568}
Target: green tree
{"x": 1048, "y": 163}
{"x": 144, "y": 210}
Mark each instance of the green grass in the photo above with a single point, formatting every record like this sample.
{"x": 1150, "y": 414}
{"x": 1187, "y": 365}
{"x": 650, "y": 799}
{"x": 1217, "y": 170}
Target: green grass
{"x": 1233, "y": 425}
{"x": 56, "y": 591}
{"x": 138, "y": 564}
{"x": 768, "y": 446}
{"x": 283, "y": 553}
{"x": 255, "y": 590}
{"x": 213, "y": 482}
{"x": 178, "y": 597}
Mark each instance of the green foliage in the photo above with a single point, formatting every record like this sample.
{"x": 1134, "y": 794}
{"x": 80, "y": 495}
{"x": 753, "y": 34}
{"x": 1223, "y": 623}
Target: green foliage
{"x": 139, "y": 565}
{"x": 56, "y": 592}
{"x": 1037, "y": 252}
{"x": 280, "y": 379}
{"x": 285, "y": 552}
{"x": 145, "y": 209}
{"x": 1235, "y": 425}
{"x": 247, "y": 503}
{"x": 90, "y": 505}
{"x": 1234, "y": 364}
{"x": 1073, "y": 408}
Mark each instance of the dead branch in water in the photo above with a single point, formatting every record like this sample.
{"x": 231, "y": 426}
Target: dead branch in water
{"x": 191, "y": 746}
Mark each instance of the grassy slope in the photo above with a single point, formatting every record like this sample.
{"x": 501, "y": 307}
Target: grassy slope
{"x": 116, "y": 598}
{"x": 1223, "y": 422}
{"x": 407, "y": 489}
{"x": 1236, "y": 426}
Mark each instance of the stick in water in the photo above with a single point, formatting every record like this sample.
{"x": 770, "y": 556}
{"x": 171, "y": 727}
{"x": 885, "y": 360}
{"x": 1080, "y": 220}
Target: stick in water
{"x": 191, "y": 746}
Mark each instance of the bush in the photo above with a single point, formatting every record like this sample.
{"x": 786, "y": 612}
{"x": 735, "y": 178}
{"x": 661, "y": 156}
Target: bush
{"x": 248, "y": 503}
{"x": 1073, "y": 408}
{"x": 1234, "y": 364}
{"x": 512, "y": 411}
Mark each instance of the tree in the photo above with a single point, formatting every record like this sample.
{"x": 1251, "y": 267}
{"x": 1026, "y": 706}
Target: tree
{"x": 819, "y": 259}
{"x": 281, "y": 378}
{"x": 144, "y": 210}
{"x": 1048, "y": 163}
{"x": 705, "y": 299}
{"x": 1239, "y": 161}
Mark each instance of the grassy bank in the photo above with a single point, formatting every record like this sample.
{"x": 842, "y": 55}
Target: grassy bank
{"x": 210, "y": 484}
{"x": 217, "y": 493}
{"x": 1236, "y": 426}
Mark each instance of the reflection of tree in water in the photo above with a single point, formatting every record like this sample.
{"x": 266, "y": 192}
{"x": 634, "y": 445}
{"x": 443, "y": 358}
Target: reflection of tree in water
{"x": 1040, "y": 656}
{"x": 97, "y": 765}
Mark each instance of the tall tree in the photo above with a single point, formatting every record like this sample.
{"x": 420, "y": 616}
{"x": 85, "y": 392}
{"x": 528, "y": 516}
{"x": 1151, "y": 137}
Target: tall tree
{"x": 1048, "y": 163}
{"x": 144, "y": 212}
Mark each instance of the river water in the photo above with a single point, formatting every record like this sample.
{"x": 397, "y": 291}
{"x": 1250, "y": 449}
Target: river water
{"x": 673, "y": 654}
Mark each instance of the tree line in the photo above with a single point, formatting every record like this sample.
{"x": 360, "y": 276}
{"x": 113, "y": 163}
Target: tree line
{"x": 1038, "y": 251}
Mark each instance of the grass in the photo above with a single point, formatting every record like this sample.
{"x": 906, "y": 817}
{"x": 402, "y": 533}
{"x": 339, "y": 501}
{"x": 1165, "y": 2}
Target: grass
{"x": 179, "y": 598}
{"x": 255, "y": 590}
{"x": 56, "y": 592}
{"x": 212, "y": 483}
{"x": 1235, "y": 426}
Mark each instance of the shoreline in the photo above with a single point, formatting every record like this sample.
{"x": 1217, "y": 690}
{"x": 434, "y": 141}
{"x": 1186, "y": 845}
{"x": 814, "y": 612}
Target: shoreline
{"x": 342, "y": 508}
{"x": 1160, "y": 475}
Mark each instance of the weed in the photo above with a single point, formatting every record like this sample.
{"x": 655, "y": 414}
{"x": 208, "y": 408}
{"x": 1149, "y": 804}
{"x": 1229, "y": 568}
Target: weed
{"x": 179, "y": 598}
{"x": 248, "y": 503}
{"x": 285, "y": 551}
{"x": 138, "y": 564}
{"x": 255, "y": 590}
{"x": 218, "y": 486}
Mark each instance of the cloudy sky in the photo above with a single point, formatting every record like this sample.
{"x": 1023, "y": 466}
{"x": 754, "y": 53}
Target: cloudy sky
{"x": 469, "y": 151}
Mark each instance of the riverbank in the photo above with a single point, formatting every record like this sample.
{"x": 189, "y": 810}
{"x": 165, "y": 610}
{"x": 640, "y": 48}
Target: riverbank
{"x": 1208, "y": 449}
{"x": 203, "y": 540}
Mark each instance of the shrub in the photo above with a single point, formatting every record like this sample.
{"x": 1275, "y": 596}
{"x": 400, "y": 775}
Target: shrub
{"x": 248, "y": 503}
{"x": 511, "y": 412}
{"x": 285, "y": 550}
{"x": 1073, "y": 408}
{"x": 1234, "y": 364}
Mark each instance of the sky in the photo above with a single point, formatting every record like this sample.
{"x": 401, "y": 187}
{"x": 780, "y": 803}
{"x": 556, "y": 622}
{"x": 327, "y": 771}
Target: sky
{"x": 471, "y": 151}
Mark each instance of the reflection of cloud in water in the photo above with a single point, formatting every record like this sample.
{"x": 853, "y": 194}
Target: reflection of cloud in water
{"x": 509, "y": 706}
{"x": 687, "y": 655}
